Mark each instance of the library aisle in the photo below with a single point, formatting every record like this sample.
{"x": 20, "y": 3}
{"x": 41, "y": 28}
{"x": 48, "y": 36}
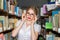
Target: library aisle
{"x": 48, "y": 17}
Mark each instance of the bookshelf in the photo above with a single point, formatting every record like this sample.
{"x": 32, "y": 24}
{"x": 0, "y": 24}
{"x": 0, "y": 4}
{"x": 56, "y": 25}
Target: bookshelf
{"x": 5, "y": 13}
{"x": 49, "y": 13}
{"x": 7, "y": 31}
{"x": 47, "y": 16}
{"x": 8, "y": 14}
{"x": 50, "y": 30}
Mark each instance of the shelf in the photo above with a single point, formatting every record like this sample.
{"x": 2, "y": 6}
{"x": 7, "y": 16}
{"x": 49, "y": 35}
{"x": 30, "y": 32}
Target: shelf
{"x": 5, "y": 13}
{"x": 7, "y": 31}
{"x": 14, "y": 16}
{"x": 46, "y": 16}
{"x": 49, "y": 13}
{"x": 2, "y": 12}
{"x": 50, "y": 30}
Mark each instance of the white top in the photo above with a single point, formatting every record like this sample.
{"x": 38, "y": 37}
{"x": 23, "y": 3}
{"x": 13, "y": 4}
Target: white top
{"x": 25, "y": 33}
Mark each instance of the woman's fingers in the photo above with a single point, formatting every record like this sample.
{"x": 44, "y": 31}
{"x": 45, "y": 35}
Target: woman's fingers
{"x": 23, "y": 16}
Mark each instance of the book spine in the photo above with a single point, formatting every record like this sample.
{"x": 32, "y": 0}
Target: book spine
{"x": 5, "y": 5}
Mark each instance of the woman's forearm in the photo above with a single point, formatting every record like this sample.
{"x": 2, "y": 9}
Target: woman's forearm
{"x": 16, "y": 30}
{"x": 33, "y": 34}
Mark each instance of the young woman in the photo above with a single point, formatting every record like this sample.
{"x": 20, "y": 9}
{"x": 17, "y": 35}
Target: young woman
{"x": 27, "y": 29}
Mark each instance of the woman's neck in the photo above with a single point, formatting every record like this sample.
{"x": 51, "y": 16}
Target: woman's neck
{"x": 28, "y": 23}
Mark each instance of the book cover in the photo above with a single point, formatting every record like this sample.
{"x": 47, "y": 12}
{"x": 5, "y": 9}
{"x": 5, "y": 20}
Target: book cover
{"x": 59, "y": 19}
{"x": 48, "y": 25}
{"x": 50, "y": 6}
{"x": 57, "y": 2}
{"x": 11, "y": 23}
{"x": 50, "y": 37}
{"x": 20, "y": 12}
{"x": 12, "y": 10}
{"x": 2, "y": 4}
{"x": 44, "y": 9}
{"x": 52, "y": 0}
{"x": 5, "y": 5}
{"x": 16, "y": 10}
{"x": 6, "y": 23}
{"x": 55, "y": 22}
{"x": 41, "y": 11}
{"x": 54, "y": 12}
{"x": 2, "y": 18}
{"x": 50, "y": 18}
{"x": 8, "y": 5}
{"x": 1, "y": 25}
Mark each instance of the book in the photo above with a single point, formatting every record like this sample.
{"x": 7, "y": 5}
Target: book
{"x": 8, "y": 5}
{"x": 55, "y": 19}
{"x": 1, "y": 25}
{"x": 48, "y": 25}
{"x": 50, "y": 37}
{"x": 50, "y": 18}
{"x": 41, "y": 12}
{"x": 55, "y": 22}
{"x": 1, "y": 4}
{"x": 16, "y": 10}
{"x": 44, "y": 9}
{"x": 6, "y": 22}
{"x": 12, "y": 10}
{"x": 2, "y": 18}
{"x": 54, "y": 12}
{"x": 52, "y": 1}
{"x": 5, "y": 5}
{"x": 20, "y": 12}
{"x": 57, "y": 38}
{"x": 12, "y": 22}
{"x": 57, "y": 2}
{"x": 50, "y": 6}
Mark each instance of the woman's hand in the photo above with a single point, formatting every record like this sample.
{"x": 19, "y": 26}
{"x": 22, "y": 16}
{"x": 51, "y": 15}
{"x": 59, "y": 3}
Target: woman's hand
{"x": 23, "y": 17}
{"x": 34, "y": 20}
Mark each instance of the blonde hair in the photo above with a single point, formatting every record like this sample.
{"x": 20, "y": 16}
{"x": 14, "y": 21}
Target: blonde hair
{"x": 35, "y": 9}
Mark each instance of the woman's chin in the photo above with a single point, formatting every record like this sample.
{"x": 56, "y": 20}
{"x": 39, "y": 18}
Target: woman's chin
{"x": 28, "y": 19}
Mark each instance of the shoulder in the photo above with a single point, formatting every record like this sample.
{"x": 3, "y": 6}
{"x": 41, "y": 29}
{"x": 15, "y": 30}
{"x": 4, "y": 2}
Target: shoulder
{"x": 37, "y": 27}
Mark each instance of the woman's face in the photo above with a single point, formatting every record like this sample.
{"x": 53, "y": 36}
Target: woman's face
{"x": 30, "y": 15}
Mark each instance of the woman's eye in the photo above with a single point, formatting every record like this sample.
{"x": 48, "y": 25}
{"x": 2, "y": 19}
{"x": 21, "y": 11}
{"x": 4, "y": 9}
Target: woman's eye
{"x": 31, "y": 14}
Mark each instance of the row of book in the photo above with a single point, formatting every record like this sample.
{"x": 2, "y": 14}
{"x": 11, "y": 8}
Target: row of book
{"x": 49, "y": 6}
{"x": 46, "y": 8}
{"x": 7, "y": 23}
{"x": 11, "y": 7}
{"x": 52, "y": 37}
{"x": 53, "y": 22}
{"x": 56, "y": 20}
